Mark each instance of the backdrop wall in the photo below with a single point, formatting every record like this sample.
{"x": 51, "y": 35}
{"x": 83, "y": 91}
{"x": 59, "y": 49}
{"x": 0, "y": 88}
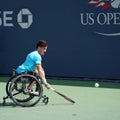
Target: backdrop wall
{"x": 83, "y": 36}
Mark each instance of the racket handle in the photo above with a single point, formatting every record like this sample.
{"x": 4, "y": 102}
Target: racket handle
{"x": 52, "y": 89}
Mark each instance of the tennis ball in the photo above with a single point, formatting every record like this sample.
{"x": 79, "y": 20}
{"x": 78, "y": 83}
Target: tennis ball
{"x": 97, "y": 85}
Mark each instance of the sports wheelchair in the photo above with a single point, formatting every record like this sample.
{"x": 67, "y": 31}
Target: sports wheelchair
{"x": 17, "y": 89}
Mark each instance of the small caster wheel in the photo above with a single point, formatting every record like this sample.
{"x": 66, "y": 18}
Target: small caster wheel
{"x": 4, "y": 102}
{"x": 46, "y": 100}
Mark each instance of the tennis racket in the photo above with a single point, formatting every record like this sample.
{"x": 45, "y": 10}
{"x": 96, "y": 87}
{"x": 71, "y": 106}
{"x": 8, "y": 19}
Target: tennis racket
{"x": 65, "y": 97}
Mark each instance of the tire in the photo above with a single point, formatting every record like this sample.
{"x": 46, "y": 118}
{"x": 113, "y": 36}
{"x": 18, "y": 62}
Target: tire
{"x": 17, "y": 90}
{"x": 8, "y": 84}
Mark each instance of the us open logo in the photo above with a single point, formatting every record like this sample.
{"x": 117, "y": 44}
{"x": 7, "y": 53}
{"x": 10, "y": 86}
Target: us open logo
{"x": 10, "y": 18}
{"x": 103, "y": 19}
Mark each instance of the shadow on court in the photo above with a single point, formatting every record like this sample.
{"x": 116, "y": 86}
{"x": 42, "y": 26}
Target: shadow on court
{"x": 7, "y": 104}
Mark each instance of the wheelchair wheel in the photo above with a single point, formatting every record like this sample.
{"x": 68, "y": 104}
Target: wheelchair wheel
{"x": 21, "y": 94}
{"x": 8, "y": 84}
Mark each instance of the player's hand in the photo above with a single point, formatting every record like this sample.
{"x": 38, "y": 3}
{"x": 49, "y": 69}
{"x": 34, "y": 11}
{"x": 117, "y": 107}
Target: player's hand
{"x": 48, "y": 86}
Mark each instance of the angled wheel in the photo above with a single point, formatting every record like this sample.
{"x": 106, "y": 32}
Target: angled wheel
{"x": 8, "y": 85}
{"x": 20, "y": 92}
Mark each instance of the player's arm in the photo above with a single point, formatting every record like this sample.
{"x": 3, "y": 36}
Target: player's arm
{"x": 41, "y": 73}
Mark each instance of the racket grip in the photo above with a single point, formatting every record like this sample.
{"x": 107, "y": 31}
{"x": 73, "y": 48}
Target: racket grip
{"x": 52, "y": 89}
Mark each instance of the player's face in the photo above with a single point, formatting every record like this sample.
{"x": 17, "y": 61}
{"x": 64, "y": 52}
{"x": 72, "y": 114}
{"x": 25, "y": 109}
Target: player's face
{"x": 42, "y": 50}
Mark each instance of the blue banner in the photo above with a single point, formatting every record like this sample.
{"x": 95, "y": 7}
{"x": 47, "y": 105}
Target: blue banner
{"x": 83, "y": 36}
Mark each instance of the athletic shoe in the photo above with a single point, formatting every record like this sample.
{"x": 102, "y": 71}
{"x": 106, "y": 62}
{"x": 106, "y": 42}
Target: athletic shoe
{"x": 34, "y": 92}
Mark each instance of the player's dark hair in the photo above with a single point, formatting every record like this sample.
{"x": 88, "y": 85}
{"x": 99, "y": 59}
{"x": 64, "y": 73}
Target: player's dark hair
{"x": 41, "y": 43}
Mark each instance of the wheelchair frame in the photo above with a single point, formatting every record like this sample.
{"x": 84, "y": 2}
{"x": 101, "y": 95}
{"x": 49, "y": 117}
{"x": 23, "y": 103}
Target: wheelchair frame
{"x": 17, "y": 90}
